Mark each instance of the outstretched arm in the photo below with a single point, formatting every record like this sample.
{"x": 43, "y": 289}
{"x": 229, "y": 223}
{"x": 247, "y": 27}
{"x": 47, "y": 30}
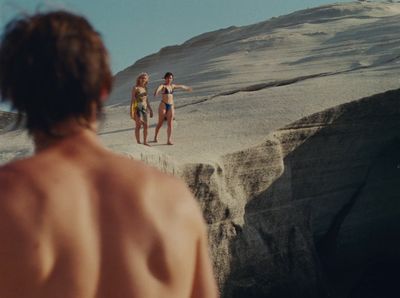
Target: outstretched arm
{"x": 183, "y": 87}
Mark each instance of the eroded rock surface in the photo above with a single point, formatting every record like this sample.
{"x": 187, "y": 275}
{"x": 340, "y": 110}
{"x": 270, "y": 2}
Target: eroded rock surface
{"x": 303, "y": 214}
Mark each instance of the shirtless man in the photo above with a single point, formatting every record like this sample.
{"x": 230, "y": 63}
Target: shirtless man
{"x": 76, "y": 220}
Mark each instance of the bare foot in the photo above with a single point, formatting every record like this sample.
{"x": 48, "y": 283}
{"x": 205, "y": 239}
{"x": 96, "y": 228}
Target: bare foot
{"x": 139, "y": 142}
{"x": 147, "y": 144}
{"x": 170, "y": 143}
{"x": 155, "y": 140}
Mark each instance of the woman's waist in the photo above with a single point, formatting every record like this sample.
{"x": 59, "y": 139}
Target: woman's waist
{"x": 168, "y": 102}
{"x": 140, "y": 99}
{"x": 141, "y": 104}
{"x": 168, "y": 98}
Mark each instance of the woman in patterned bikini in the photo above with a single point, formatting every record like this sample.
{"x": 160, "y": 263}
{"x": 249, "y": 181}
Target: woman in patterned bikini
{"x": 140, "y": 107}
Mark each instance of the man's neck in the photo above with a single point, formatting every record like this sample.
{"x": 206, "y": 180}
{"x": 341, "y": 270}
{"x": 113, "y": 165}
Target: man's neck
{"x": 62, "y": 131}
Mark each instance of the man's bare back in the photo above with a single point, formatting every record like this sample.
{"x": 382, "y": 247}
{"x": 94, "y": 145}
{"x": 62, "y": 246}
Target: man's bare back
{"x": 79, "y": 221}
{"x": 76, "y": 220}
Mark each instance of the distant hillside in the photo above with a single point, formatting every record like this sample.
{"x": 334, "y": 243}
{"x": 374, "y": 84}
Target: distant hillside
{"x": 319, "y": 41}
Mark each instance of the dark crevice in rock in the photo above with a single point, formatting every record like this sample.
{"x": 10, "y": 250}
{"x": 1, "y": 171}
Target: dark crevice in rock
{"x": 373, "y": 277}
{"x": 353, "y": 184}
{"x": 326, "y": 246}
{"x": 379, "y": 279}
{"x": 238, "y": 228}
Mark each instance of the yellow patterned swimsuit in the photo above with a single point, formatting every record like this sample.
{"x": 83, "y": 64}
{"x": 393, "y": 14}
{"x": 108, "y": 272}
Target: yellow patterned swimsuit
{"x": 139, "y": 105}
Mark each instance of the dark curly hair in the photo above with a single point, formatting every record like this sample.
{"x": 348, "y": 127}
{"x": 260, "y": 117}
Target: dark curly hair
{"x": 167, "y": 74}
{"x": 53, "y": 66}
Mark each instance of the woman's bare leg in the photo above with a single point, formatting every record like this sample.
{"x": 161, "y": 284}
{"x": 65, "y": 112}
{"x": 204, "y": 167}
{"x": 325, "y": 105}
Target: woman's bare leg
{"x": 137, "y": 129}
{"x": 145, "y": 128}
{"x": 170, "y": 119}
{"x": 161, "y": 115}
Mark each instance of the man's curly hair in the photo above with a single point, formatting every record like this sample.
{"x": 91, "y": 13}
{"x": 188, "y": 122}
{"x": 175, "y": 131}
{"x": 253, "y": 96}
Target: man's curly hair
{"x": 53, "y": 66}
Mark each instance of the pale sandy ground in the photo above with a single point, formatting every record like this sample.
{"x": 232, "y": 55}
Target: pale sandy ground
{"x": 353, "y": 50}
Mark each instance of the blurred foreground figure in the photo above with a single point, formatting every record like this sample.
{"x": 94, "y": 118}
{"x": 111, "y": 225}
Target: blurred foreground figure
{"x": 77, "y": 220}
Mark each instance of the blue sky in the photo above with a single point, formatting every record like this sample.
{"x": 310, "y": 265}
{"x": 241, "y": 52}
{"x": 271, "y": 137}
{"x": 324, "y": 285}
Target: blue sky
{"x": 133, "y": 29}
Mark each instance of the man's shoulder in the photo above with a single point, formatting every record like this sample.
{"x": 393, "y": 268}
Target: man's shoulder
{"x": 173, "y": 199}
{"x": 161, "y": 190}
{"x": 12, "y": 175}
{"x": 122, "y": 169}
{"x": 22, "y": 171}
{"x": 18, "y": 181}
{"x": 121, "y": 165}
{"x": 18, "y": 193}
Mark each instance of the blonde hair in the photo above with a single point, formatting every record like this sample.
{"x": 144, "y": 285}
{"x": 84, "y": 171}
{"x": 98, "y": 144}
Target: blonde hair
{"x": 143, "y": 74}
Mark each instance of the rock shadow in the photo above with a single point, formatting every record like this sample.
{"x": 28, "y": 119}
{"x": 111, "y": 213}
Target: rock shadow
{"x": 334, "y": 211}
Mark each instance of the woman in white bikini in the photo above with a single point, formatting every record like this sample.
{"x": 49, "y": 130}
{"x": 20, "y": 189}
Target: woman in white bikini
{"x": 166, "y": 108}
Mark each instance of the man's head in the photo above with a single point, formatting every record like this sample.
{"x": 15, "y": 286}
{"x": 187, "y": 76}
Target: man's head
{"x": 53, "y": 67}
